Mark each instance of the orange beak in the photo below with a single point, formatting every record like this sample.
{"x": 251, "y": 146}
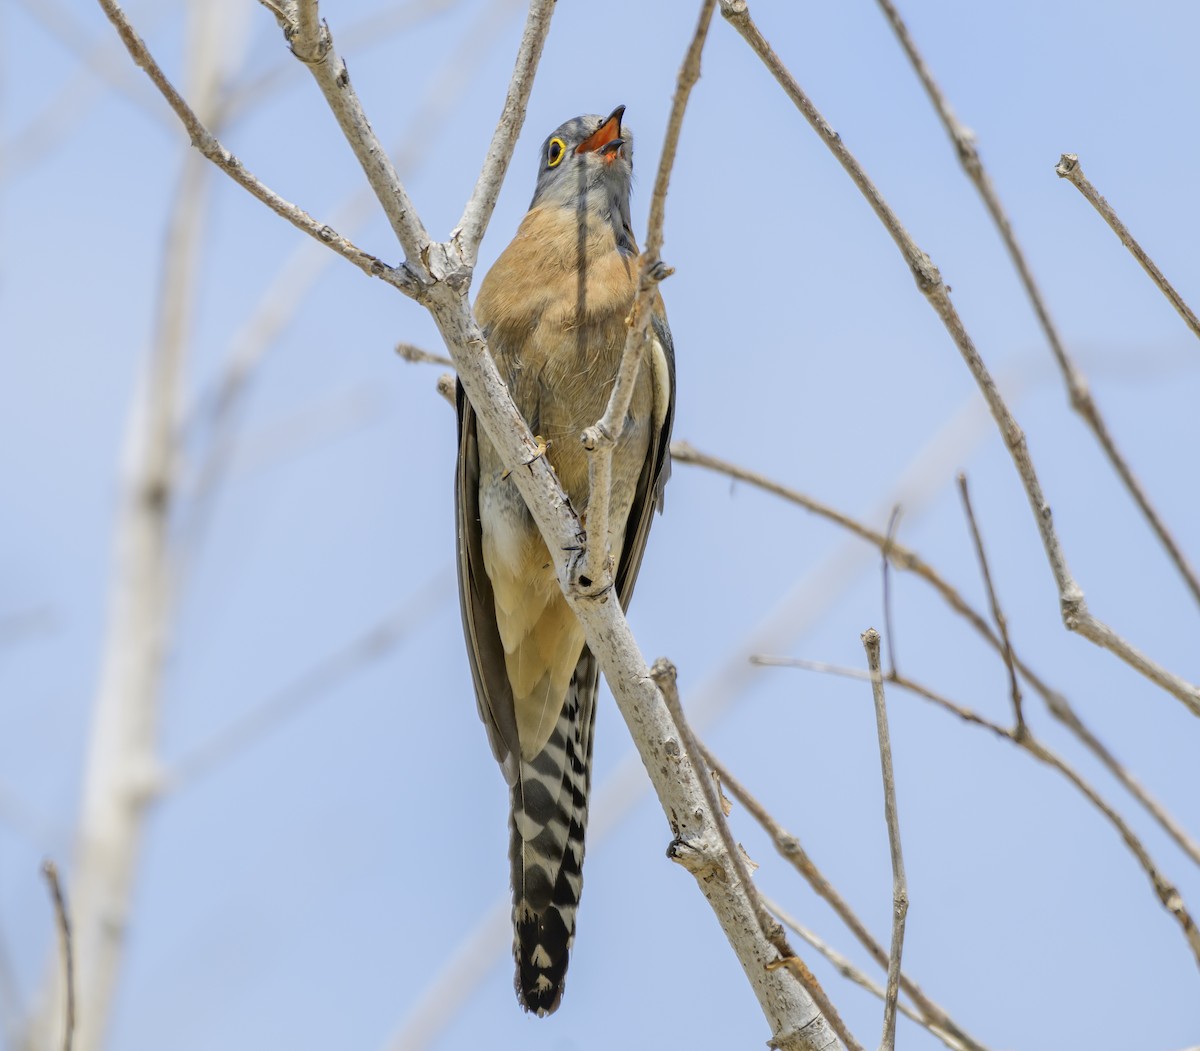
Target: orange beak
{"x": 606, "y": 139}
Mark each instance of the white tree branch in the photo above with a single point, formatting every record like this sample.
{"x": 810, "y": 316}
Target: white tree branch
{"x": 469, "y": 232}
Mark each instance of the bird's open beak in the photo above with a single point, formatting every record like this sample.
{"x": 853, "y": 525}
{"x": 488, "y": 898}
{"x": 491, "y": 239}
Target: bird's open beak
{"x": 606, "y": 139}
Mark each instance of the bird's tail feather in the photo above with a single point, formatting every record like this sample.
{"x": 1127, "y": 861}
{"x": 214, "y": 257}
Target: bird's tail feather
{"x": 549, "y": 816}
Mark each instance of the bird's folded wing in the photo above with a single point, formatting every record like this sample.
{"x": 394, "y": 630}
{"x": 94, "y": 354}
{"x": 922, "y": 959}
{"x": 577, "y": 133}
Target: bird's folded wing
{"x": 492, "y": 690}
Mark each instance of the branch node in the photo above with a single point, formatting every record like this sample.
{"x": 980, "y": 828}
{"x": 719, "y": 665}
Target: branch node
{"x": 1066, "y": 165}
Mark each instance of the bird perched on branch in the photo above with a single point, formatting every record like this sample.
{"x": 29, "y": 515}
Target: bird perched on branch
{"x": 554, "y": 311}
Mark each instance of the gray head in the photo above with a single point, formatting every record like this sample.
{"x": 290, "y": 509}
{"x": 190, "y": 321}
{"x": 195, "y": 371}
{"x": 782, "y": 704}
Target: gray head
{"x": 587, "y": 164}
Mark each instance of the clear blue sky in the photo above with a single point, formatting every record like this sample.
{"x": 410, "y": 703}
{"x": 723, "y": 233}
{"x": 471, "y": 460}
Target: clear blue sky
{"x": 307, "y": 891}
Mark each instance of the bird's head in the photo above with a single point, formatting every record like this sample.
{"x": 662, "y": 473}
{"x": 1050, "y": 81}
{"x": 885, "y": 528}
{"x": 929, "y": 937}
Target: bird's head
{"x": 587, "y": 164}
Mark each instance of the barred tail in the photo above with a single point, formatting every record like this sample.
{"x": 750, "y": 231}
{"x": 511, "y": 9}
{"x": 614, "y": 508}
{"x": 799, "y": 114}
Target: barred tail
{"x": 549, "y": 816}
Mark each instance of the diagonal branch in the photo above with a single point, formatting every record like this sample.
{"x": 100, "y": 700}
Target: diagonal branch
{"x": 1077, "y": 386}
{"x": 1072, "y": 604}
{"x": 1069, "y": 168}
{"x": 478, "y": 212}
{"x": 312, "y": 43}
{"x": 600, "y": 439}
{"x": 211, "y": 148}
{"x": 1006, "y": 649}
{"x": 63, "y": 922}
{"x": 705, "y": 867}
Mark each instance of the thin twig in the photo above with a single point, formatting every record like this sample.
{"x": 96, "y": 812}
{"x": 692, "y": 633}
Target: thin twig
{"x": 903, "y": 558}
{"x": 312, "y": 43}
{"x": 664, "y": 675}
{"x": 1166, "y": 891}
{"x": 870, "y": 639}
{"x": 1077, "y": 385}
{"x": 469, "y": 232}
{"x": 1072, "y": 604}
{"x": 1069, "y": 168}
{"x": 63, "y": 920}
{"x": 848, "y": 971}
{"x": 790, "y": 848}
{"x": 221, "y": 408}
{"x": 601, "y": 437}
{"x": 415, "y": 355}
{"x": 886, "y": 552}
{"x": 994, "y": 603}
{"x": 213, "y": 150}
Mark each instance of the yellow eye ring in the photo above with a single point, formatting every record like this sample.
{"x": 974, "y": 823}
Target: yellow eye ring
{"x": 555, "y": 152}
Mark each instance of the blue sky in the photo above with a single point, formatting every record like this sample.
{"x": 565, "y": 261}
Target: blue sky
{"x": 307, "y": 889}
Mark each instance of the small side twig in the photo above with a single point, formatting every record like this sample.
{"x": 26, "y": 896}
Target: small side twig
{"x": 994, "y": 603}
{"x": 870, "y": 639}
{"x": 886, "y": 552}
{"x": 1069, "y": 168}
{"x": 415, "y": 355}
{"x": 63, "y": 920}
{"x": 600, "y": 438}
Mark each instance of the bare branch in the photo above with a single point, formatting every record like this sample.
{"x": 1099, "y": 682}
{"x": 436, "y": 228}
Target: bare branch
{"x": 1166, "y": 892}
{"x": 219, "y": 408}
{"x": 312, "y": 43}
{"x": 870, "y": 639}
{"x": 415, "y": 355}
{"x": 469, "y": 232}
{"x": 1069, "y": 168}
{"x": 1077, "y": 386}
{"x": 211, "y": 148}
{"x": 1072, "y": 604}
{"x": 63, "y": 920}
{"x": 447, "y": 387}
{"x": 790, "y": 848}
{"x": 994, "y": 603}
{"x": 600, "y": 439}
{"x": 701, "y": 864}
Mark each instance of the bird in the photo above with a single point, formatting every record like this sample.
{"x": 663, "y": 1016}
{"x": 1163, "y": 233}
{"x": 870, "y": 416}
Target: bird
{"x": 553, "y": 310}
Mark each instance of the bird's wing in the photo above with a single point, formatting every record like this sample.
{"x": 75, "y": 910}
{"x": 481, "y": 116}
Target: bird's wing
{"x": 492, "y": 690}
{"x": 648, "y": 496}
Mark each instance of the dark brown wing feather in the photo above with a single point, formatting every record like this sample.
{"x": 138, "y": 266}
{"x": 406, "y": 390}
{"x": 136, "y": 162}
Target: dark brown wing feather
{"x": 492, "y": 690}
{"x": 648, "y": 497}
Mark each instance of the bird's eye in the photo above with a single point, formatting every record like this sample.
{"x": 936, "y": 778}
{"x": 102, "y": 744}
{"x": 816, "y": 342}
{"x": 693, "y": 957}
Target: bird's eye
{"x": 555, "y": 152}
